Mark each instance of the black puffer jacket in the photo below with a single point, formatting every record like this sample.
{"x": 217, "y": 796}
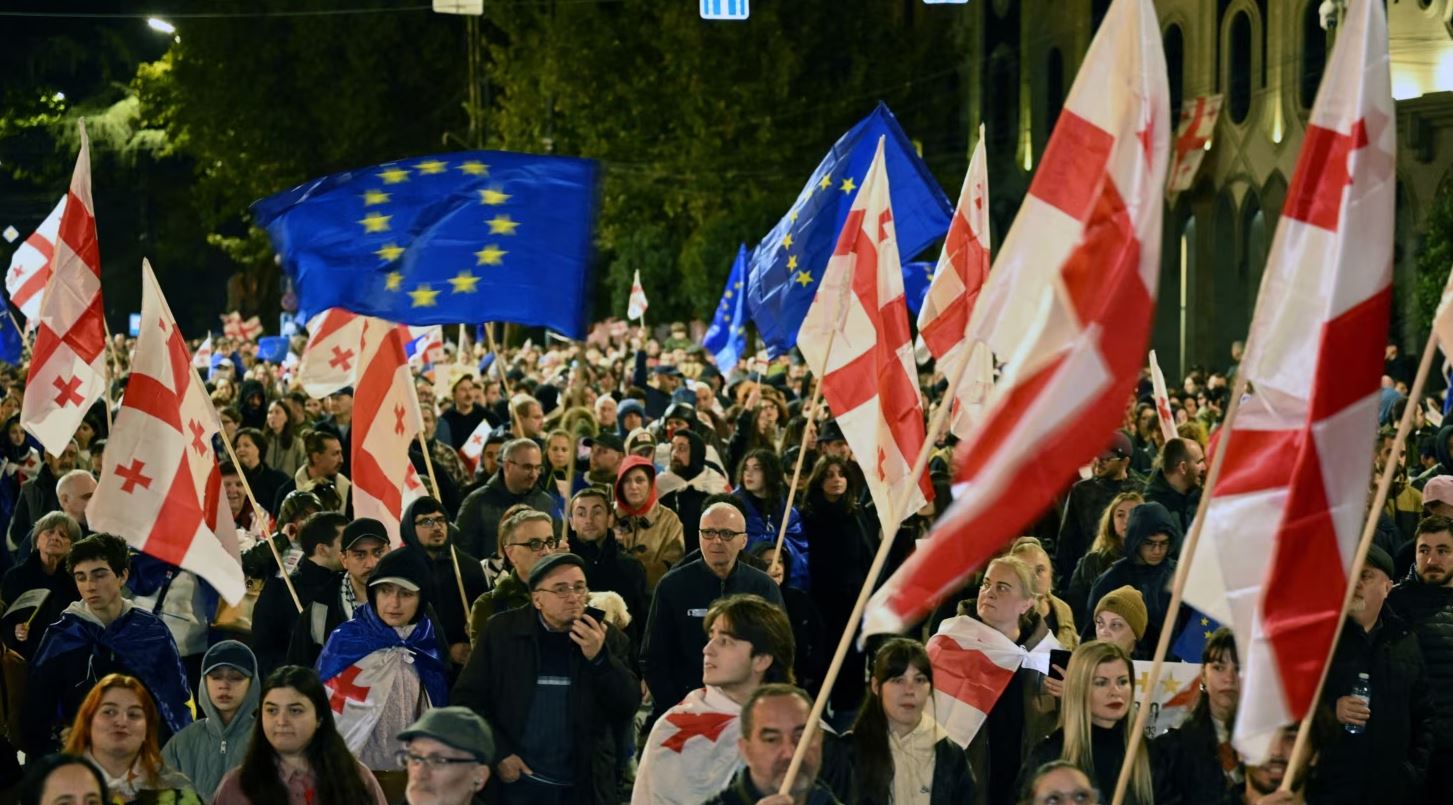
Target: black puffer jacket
{"x": 1428, "y": 611}
{"x": 1153, "y": 582}
{"x": 1389, "y": 760}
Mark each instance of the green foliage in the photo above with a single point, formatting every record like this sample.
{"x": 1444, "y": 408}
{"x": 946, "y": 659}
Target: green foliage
{"x": 1435, "y": 256}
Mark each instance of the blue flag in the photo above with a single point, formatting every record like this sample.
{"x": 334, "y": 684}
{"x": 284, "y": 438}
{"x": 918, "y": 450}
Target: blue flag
{"x": 916, "y": 279}
{"x": 787, "y": 265}
{"x": 272, "y": 348}
{"x": 12, "y": 343}
{"x": 1191, "y": 643}
{"x": 465, "y": 237}
{"x": 727, "y": 337}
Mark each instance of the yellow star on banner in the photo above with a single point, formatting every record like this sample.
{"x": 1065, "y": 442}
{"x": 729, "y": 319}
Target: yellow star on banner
{"x": 493, "y": 196}
{"x": 787, "y": 241}
{"x": 791, "y": 261}
{"x": 502, "y": 225}
{"x": 490, "y": 255}
{"x": 848, "y": 185}
{"x": 727, "y": 295}
{"x": 1205, "y": 621}
{"x": 826, "y": 182}
{"x": 1169, "y": 686}
{"x": 423, "y": 295}
{"x": 803, "y": 278}
{"x": 394, "y": 176}
{"x": 1142, "y": 679}
{"x": 464, "y": 281}
{"x": 371, "y": 197}
{"x": 393, "y": 281}
{"x": 375, "y": 222}
{"x": 431, "y": 166}
{"x": 474, "y": 168}
{"x": 792, "y": 216}
{"x": 389, "y": 252}
{"x": 738, "y": 285}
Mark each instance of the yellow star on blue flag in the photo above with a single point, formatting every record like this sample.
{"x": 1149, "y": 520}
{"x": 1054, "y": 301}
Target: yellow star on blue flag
{"x": 726, "y": 339}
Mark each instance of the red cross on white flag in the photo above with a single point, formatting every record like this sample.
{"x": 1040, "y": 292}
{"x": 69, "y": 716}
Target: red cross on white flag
{"x": 1198, "y": 122}
{"x": 868, "y": 376}
{"x": 234, "y": 327}
{"x": 1072, "y": 294}
{"x": 636, "y": 306}
{"x": 67, "y": 366}
{"x": 1286, "y": 515}
{"x": 160, "y": 487}
{"x": 32, "y": 265}
{"x": 386, "y": 420}
{"x": 948, "y": 308}
{"x": 330, "y": 360}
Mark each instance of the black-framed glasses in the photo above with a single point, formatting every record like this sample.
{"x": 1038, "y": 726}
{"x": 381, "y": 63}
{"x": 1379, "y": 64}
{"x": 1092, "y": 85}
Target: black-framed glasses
{"x": 567, "y": 590}
{"x": 722, "y": 534}
{"x": 527, "y": 467}
{"x": 433, "y": 762}
{"x": 431, "y": 522}
{"x": 536, "y": 545}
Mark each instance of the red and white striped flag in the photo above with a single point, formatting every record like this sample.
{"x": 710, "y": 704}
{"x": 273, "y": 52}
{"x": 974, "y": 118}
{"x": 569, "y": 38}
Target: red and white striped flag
{"x": 972, "y": 665}
{"x": 943, "y": 323}
{"x": 869, "y": 378}
{"x": 330, "y": 360}
{"x": 67, "y": 365}
{"x": 160, "y": 487}
{"x": 1198, "y": 122}
{"x": 1283, "y": 524}
{"x": 234, "y": 327}
{"x": 636, "y": 306}
{"x": 30, "y": 266}
{"x": 1162, "y": 400}
{"x": 386, "y": 421}
{"x": 1073, "y": 293}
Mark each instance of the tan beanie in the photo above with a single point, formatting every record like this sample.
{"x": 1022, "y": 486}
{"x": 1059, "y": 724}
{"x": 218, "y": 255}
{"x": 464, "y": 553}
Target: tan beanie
{"x": 1128, "y": 603}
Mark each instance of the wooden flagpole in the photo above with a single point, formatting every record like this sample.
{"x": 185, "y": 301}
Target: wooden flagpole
{"x": 504, "y": 380}
{"x": 1188, "y": 551}
{"x": 434, "y": 485}
{"x": 935, "y": 429}
{"x": 1369, "y": 528}
{"x": 257, "y": 510}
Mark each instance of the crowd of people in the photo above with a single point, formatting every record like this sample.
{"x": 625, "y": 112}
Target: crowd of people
{"x": 615, "y": 593}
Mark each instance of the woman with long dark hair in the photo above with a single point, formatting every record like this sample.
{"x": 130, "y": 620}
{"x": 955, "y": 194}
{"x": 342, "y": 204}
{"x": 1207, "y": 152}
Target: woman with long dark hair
{"x": 900, "y": 754}
{"x": 840, "y": 548}
{"x": 296, "y": 754}
{"x": 763, "y": 491}
{"x": 116, "y": 727}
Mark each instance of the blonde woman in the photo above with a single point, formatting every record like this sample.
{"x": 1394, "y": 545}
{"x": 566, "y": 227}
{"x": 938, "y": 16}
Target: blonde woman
{"x": 1108, "y": 546}
{"x": 1094, "y": 725}
{"x": 1056, "y": 613}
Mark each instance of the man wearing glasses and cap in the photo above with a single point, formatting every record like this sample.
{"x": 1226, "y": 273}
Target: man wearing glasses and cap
{"x": 448, "y": 753}
{"x": 551, "y": 679}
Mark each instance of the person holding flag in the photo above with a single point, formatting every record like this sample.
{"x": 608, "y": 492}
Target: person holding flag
{"x": 389, "y": 663}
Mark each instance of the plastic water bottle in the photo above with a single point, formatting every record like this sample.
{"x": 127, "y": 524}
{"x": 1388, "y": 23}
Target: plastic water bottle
{"x": 1363, "y": 691}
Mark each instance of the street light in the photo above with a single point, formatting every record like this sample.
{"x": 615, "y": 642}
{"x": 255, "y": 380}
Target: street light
{"x": 161, "y": 25}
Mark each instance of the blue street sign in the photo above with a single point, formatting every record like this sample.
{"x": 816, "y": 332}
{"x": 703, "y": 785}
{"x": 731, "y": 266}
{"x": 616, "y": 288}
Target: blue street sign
{"x": 725, "y": 9}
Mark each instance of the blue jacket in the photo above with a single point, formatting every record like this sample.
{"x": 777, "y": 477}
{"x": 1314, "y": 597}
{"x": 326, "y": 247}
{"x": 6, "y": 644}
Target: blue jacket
{"x": 762, "y": 528}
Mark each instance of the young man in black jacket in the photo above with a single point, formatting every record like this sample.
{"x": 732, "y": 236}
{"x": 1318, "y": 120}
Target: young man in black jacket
{"x": 275, "y": 614}
{"x": 1425, "y": 602}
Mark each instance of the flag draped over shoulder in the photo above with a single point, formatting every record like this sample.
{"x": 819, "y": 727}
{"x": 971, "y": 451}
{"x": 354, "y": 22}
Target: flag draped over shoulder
{"x": 726, "y": 338}
{"x": 787, "y": 266}
{"x": 1286, "y": 513}
{"x": 67, "y": 366}
{"x": 1072, "y": 296}
{"x": 855, "y": 336}
{"x": 160, "y": 487}
{"x": 691, "y": 753}
{"x": 464, "y": 237}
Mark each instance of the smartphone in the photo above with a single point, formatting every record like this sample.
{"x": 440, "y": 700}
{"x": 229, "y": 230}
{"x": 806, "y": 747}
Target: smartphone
{"x": 599, "y": 616}
{"x": 1061, "y": 658}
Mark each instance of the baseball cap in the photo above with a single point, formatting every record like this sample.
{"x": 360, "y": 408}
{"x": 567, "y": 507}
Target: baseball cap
{"x": 550, "y": 564}
{"x": 607, "y": 440}
{"x": 363, "y": 528}
{"x": 1439, "y": 489}
{"x": 1119, "y": 447}
{"x": 232, "y": 654}
{"x": 456, "y": 726}
{"x": 1378, "y": 558}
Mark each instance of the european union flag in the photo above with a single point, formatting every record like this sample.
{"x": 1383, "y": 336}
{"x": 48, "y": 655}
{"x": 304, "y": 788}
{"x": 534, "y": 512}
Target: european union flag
{"x": 916, "y": 279}
{"x": 12, "y": 343}
{"x": 726, "y": 339}
{"x": 465, "y": 237}
{"x": 787, "y": 265}
{"x": 1190, "y": 645}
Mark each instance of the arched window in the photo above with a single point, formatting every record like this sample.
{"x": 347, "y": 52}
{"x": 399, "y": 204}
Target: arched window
{"x": 1238, "y": 90}
{"x": 1314, "y": 53}
{"x": 1175, "y": 66}
{"x": 1054, "y": 87}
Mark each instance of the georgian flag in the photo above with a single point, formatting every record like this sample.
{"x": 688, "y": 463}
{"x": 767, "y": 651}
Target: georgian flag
{"x": 636, "y": 308}
{"x": 1162, "y": 400}
{"x": 330, "y": 360}
{"x": 972, "y": 665}
{"x": 359, "y": 694}
{"x": 691, "y": 753}
{"x": 32, "y": 264}
{"x": 386, "y": 420}
{"x": 473, "y": 447}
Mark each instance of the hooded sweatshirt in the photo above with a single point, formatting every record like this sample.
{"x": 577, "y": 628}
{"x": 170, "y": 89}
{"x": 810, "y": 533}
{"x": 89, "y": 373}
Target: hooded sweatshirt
{"x": 449, "y": 608}
{"x": 1153, "y": 582}
{"x": 253, "y": 416}
{"x": 652, "y": 533}
{"x": 207, "y": 749}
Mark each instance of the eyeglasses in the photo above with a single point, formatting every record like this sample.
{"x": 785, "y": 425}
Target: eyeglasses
{"x": 1079, "y": 796}
{"x": 536, "y": 544}
{"x": 433, "y": 762}
{"x": 431, "y": 522}
{"x": 527, "y": 467}
{"x": 719, "y": 534}
{"x": 567, "y": 590}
